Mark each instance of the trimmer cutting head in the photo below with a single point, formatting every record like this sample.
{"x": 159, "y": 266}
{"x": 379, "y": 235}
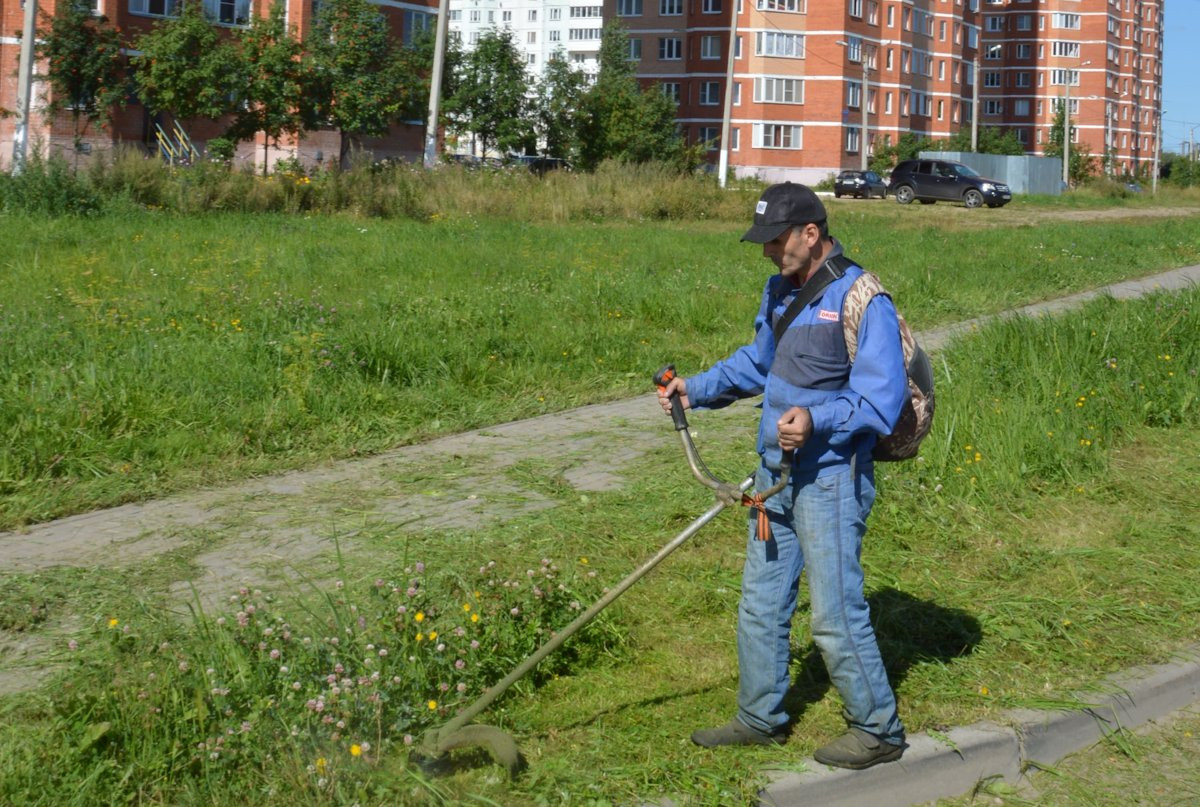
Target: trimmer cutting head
{"x": 433, "y": 755}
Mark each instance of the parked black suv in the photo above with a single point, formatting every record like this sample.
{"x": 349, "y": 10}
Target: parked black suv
{"x": 859, "y": 183}
{"x": 930, "y": 181}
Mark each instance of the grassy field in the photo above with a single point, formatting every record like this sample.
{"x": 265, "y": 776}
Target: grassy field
{"x": 147, "y": 353}
{"x": 1017, "y": 562}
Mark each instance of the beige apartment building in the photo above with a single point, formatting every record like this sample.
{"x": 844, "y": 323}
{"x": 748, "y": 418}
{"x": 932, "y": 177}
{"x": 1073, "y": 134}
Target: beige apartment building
{"x": 817, "y": 81}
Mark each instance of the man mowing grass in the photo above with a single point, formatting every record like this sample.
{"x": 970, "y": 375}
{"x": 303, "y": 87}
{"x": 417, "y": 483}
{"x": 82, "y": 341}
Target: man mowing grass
{"x": 829, "y": 412}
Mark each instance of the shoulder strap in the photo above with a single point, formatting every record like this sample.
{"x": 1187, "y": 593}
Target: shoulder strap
{"x": 830, "y": 270}
{"x": 861, "y": 292}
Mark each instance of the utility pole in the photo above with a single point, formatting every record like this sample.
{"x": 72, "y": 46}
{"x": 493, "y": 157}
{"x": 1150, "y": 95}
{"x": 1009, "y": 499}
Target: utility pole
{"x": 435, "y": 84}
{"x": 723, "y": 162}
{"x": 1066, "y": 155}
{"x": 975, "y": 104}
{"x": 24, "y": 88}
{"x": 863, "y": 147}
{"x": 1157, "y": 150}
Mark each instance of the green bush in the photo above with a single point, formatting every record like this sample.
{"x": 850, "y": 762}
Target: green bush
{"x": 150, "y": 708}
{"x": 48, "y": 186}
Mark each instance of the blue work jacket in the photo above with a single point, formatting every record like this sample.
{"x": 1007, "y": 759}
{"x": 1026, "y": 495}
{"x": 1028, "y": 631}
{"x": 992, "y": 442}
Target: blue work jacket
{"x": 851, "y": 405}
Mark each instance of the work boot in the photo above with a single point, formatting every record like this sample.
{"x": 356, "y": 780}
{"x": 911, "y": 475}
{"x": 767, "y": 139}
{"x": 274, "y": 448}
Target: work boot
{"x": 857, "y": 749}
{"x": 735, "y": 732}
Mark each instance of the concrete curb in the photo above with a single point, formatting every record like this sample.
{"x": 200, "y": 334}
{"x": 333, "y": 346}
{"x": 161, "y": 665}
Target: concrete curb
{"x": 934, "y": 768}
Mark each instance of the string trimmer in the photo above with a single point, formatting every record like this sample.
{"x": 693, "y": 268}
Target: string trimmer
{"x": 437, "y": 743}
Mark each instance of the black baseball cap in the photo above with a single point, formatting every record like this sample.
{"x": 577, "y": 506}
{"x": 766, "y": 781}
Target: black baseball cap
{"x": 781, "y": 206}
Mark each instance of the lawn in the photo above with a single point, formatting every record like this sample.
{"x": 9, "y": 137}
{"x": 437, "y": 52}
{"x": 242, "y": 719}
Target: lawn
{"x": 151, "y": 353}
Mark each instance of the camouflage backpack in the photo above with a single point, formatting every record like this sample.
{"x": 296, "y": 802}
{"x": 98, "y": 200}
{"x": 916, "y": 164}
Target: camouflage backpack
{"x": 917, "y": 416}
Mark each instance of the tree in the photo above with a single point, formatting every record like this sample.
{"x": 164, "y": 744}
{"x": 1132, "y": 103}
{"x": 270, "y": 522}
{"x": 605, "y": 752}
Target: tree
{"x": 907, "y": 147}
{"x": 86, "y": 68}
{"x": 559, "y": 94}
{"x": 490, "y": 100}
{"x": 356, "y": 77}
{"x": 187, "y": 69}
{"x": 991, "y": 140}
{"x": 1082, "y": 162}
{"x": 618, "y": 119}
{"x": 274, "y": 92}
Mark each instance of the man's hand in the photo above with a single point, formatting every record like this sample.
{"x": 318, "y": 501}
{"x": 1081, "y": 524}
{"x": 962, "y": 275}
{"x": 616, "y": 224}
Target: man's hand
{"x": 795, "y": 427}
{"x": 676, "y": 384}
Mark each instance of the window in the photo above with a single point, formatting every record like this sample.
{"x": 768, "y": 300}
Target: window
{"x": 993, "y": 108}
{"x": 531, "y": 38}
{"x": 475, "y": 15}
{"x": 1024, "y": 51}
{"x": 711, "y": 7}
{"x": 533, "y": 15}
{"x": 891, "y": 16}
{"x": 1068, "y": 21}
{"x": 229, "y": 12}
{"x": 994, "y": 52}
{"x": 709, "y": 135}
{"x": 887, "y": 103}
{"x": 556, "y": 14}
{"x": 670, "y": 8}
{"x": 941, "y": 109}
{"x": 671, "y": 90}
{"x": 1021, "y": 108}
{"x": 1059, "y": 78}
{"x": 1060, "y": 48}
{"x": 995, "y": 23}
{"x": 414, "y": 23}
{"x": 991, "y": 78}
{"x": 888, "y": 60}
{"x": 769, "y": 90}
{"x": 581, "y": 34}
{"x": 532, "y": 58}
{"x": 852, "y": 139}
{"x": 777, "y": 136}
{"x": 710, "y": 93}
{"x": 775, "y": 43}
{"x": 710, "y": 47}
{"x": 941, "y": 69}
{"x": 635, "y": 48}
{"x": 781, "y": 5}
{"x": 1022, "y": 136}
{"x": 1024, "y": 22}
{"x": 455, "y": 14}
{"x": 157, "y": 8}
{"x": 670, "y": 48}
{"x": 629, "y": 8}
{"x": 734, "y": 139}
{"x": 942, "y": 31}
{"x": 1024, "y": 79}
{"x": 854, "y": 8}
{"x": 506, "y": 16}
{"x": 872, "y": 12}
{"x": 853, "y": 94}
{"x": 854, "y": 48}
{"x": 587, "y": 11}
{"x": 972, "y": 37}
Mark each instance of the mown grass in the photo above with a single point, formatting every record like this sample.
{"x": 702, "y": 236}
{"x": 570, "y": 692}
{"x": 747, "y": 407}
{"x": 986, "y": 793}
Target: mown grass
{"x": 1046, "y": 537}
{"x": 149, "y": 353}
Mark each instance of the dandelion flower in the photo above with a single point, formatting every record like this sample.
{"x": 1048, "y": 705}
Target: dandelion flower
{"x": 466, "y": 606}
{"x": 356, "y": 750}
{"x": 420, "y": 617}
{"x": 432, "y": 635}
{"x": 112, "y": 623}
{"x": 432, "y": 705}
{"x": 420, "y": 637}
{"x": 984, "y": 691}
{"x": 474, "y": 617}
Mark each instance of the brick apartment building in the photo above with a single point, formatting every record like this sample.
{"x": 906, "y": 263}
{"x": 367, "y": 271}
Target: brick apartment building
{"x": 134, "y": 125}
{"x": 807, "y": 71}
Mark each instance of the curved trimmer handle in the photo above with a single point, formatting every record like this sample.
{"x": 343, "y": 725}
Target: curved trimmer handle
{"x": 726, "y": 491}
{"x": 663, "y": 377}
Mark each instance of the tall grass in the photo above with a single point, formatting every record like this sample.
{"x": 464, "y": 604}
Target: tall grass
{"x": 1046, "y": 536}
{"x": 149, "y": 352}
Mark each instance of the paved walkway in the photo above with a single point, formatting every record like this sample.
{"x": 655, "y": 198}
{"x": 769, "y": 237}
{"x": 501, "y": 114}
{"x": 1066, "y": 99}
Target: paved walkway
{"x": 260, "y": 526}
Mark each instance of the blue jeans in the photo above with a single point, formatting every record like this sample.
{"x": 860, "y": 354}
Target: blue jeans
{"x": 819, "y": 524}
